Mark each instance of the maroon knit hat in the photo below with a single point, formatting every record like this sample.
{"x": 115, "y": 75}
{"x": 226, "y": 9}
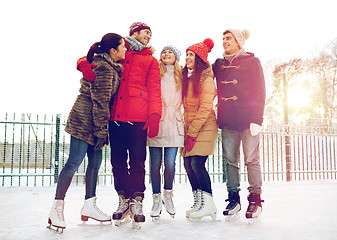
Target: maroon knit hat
{"x": 138, "y": 26}
{"x": 202, "y": 49}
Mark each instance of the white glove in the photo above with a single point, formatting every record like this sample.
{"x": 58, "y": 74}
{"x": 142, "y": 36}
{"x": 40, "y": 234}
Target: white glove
{"x": 255, "y": 129}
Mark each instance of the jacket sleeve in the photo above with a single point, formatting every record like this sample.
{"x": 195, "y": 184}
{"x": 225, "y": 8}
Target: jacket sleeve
{"x": 207, "y": 96}
{"x": 101, "y": 91}
{"x": 215, "y": 68}
{"x": 257, "y": 102}
{"x": 154, "y": 88}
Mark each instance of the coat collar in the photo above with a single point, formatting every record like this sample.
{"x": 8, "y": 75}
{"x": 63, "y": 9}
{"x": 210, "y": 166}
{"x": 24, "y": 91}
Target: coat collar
{"x": 117, "y": 66}
{"x": 136, "y": 47}
{"x": 206, "y": 73}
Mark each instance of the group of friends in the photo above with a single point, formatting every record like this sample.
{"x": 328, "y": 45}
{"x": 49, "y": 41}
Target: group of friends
{"x": 132, "y": 101}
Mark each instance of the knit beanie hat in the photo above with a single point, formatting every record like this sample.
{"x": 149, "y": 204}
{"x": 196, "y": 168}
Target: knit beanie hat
{"x": 202, "y": 49}
{"x": 174, "y": 50}
{"x": 240, "y": 35}
{"x": 138, "y": 26}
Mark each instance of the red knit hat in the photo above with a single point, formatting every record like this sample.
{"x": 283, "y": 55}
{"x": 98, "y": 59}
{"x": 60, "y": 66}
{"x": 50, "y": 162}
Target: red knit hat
{"x": 202, "y": 49}
{"x": 138, "y": 26}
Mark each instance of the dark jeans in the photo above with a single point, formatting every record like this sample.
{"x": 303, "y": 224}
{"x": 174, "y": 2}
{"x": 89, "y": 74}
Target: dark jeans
{"x": 197, "y": 173}
{"x": 78, "y": 149}
{"x": 128, "y": 140}
{"x": 156, "y": 158}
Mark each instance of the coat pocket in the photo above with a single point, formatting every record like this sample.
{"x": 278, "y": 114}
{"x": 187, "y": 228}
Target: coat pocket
{"x": 180, "y": 125}
{"x": 138, "y": 103}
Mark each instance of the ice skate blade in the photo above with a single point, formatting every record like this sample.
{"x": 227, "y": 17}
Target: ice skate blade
{"x": 123, "y": 221}
{"x": 251, "y": 221}
{"x": 86, "y": 218}
{"x": 204, "y": 219}
{"x": 85, "y": 223}
{"x": 55, "y": 229}
{"x": 233, "y": 217}
{"x": 155, "y": 218}
{"x": 136, "y": 225}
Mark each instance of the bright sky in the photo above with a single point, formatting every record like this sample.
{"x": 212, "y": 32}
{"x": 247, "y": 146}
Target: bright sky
{"x": 41, "y": 40}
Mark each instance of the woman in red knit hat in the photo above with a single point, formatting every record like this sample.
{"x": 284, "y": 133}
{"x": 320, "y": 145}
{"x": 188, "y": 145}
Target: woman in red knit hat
{"x": 201, "y": 131}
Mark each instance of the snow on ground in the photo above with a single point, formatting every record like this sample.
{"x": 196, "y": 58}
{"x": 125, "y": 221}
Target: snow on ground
{"x": 294, "y": 210}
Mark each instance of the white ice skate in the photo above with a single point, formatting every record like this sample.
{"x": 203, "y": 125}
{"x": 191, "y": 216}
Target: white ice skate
{"x": 56, "y": 218}
{"x": 207, "y": 208}
{"x": 168, "y": 202}
{"x": 90, "y": 210}
{"x": 196, "y": 203}
{"x": 156, "y": 207}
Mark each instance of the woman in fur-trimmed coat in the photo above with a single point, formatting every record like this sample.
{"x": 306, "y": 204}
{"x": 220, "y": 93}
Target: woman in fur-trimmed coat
{"x": 88, "y": 126}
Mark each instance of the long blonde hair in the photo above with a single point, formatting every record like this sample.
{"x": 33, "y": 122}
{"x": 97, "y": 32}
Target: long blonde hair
{"x": 177, "y": 72}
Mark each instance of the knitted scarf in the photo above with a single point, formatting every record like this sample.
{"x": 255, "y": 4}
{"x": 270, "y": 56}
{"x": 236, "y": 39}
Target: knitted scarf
{"x": 231, "y": 57}
{"x": 134, "y": 44}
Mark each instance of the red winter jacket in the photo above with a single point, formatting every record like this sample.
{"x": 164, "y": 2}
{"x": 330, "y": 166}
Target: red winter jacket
{"x": 139, "y": 93}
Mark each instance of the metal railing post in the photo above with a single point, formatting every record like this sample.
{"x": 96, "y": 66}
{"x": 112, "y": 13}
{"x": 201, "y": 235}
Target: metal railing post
{"x": 286, "y": 122}
{"x": 57, "y": 148}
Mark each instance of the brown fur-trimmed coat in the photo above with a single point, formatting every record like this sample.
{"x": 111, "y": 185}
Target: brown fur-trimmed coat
{"x": 89, "y": 116}
{"x": 199, "y": 116}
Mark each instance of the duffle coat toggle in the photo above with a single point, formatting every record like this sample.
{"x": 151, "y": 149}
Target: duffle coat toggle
{"x": 234, "y": 98}
{"x": 230, "y": 66}
{"x": 230, "y": 82}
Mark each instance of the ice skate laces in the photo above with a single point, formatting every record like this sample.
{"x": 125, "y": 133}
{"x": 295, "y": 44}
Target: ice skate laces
{"x": 232, "y": 203}
{"x": 59, "y": 212}
{"x": 136, "y": 206}
{"x": 123, "y": 204}
{"x": 168, "y": 200}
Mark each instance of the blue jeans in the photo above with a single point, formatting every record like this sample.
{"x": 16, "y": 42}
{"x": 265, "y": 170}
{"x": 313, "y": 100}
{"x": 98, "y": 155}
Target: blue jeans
{"x": 156, "y": 157}
{"x": 197, "y": 173}
{"x": 78, "y": 149}
{"x": 231, "y": 141}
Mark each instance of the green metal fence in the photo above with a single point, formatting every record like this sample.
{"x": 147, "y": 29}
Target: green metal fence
{"x": 35, "y": 147}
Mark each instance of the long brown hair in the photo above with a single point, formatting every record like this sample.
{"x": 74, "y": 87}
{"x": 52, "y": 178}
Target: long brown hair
{"x": 199, "y": 67}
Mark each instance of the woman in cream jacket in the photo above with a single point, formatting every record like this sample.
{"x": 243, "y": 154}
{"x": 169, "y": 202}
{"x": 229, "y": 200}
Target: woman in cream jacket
{"x": 170, "y": 134}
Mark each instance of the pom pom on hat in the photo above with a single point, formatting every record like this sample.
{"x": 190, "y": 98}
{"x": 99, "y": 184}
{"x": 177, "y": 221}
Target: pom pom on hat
{"x": 240, "y": 35}
{"x": 202, "y": 49}
{"x": 209, "y": 43}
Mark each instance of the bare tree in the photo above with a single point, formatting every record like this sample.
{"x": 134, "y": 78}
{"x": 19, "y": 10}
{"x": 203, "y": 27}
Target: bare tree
{"x": 324, "y": 67}
{"x": 283, "y": 79}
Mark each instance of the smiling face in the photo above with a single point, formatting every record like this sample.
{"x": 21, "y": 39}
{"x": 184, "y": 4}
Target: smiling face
{"x": 168, "y": 57}
{"x": 190, "y": 59}
{"x": 229, "y": 44}
{"x": 143, "y": 36}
